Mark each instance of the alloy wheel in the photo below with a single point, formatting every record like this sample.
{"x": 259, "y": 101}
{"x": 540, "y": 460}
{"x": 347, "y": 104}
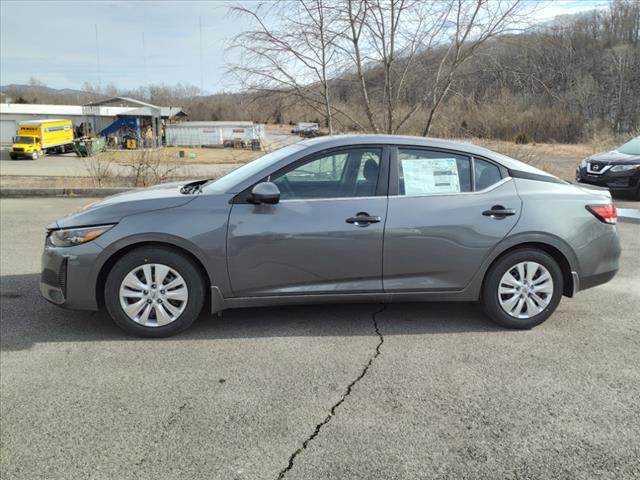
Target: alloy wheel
{"x": 153, "y": 295}
{"x": 525, "y": 290}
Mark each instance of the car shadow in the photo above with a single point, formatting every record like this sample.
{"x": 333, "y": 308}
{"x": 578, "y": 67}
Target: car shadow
{"x": 27, "y": 319}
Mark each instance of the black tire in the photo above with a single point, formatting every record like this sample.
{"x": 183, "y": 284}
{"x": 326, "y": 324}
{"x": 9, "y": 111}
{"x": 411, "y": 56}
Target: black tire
{"x": 12, "y": 156}
{"x": 492, "y": 279}
{"x": 162, "y": 255}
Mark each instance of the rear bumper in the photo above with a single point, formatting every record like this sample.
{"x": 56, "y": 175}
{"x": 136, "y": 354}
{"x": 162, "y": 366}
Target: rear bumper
{"x": 599, "y": 259}
{"x": 597, "y": 279}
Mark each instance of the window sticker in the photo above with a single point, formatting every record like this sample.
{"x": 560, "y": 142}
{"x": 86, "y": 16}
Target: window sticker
{"x": 430, "y": 175}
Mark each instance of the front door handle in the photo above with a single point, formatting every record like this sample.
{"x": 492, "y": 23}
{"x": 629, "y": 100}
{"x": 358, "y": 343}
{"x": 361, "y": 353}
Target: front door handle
{"x": 362, "y": 219}
{"x": 498, "y": 211}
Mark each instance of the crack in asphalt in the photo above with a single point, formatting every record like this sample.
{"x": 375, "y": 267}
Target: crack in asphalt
{"x": 335, "y": 406}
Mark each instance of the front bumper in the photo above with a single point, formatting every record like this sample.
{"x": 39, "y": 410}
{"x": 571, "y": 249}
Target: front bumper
{"x": 619, "y": 182}
{"x": 68, "y": 278}
{"x": 21, "y": 154}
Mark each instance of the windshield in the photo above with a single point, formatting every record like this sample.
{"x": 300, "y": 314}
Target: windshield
{"x": 246, "y": 171}
{"x": 22, "y": 139}
{"x": 631, "y": 148}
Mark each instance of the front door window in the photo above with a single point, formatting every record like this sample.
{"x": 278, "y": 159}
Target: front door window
{"x": 344, "y": 173}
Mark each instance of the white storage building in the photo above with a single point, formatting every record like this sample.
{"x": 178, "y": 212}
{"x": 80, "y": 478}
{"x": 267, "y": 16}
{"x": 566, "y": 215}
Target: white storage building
{"x": 211, "y": 134}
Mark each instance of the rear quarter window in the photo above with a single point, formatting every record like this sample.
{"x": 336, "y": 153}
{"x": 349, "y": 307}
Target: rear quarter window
{"x": 485, "y": 173}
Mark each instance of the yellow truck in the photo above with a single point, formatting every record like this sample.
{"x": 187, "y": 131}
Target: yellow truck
{"x": 37, "y": 136}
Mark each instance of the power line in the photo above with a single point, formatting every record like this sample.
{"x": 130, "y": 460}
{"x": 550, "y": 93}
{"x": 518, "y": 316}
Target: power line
{"x": 201, "y": 63}
{"x": 98, "y": 56}
{"x": 144, "y": 59}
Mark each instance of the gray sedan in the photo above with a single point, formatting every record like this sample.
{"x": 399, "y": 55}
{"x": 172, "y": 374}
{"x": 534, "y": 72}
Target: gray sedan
{"x": 338, "y": 219}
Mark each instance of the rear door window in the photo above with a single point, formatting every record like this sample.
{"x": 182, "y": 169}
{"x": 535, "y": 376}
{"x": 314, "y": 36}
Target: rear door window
{"x": 425, "y": 172}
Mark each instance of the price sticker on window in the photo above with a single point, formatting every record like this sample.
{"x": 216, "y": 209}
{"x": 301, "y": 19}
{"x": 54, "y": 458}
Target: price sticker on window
{"x": 430, "y": 175}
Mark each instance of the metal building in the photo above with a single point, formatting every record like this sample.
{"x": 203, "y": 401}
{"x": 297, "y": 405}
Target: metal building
{"x": 212, "y": 134}
{"x": 12, "y": 113}
{"x": 98, "y": 114}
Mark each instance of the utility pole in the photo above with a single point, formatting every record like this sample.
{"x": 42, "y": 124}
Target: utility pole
{"x": 201, "y": 66}
{"x": 98, "y": 57}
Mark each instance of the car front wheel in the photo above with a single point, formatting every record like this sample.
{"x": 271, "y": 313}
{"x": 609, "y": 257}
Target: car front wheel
{"x": 154, "y": 292}
{"x": 522, "y": 289}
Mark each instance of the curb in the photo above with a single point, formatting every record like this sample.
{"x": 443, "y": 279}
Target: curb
{"x": 61, "y": 192}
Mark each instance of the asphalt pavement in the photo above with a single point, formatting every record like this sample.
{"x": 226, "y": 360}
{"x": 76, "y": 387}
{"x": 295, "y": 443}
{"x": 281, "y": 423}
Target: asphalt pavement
{"x": 403, "y": 391}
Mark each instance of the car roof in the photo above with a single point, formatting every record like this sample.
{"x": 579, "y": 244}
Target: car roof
{"x": 331, "y": 141}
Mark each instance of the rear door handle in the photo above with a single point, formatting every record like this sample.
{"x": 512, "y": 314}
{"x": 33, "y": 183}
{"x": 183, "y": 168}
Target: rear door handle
{"x": 498, "y": 211}
{"x": 362, "y": 219}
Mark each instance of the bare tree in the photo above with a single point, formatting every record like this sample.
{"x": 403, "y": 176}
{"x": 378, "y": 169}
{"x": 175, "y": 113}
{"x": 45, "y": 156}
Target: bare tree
{"x": 296, "y": 55}
{"x": 399, "y": 41}
{"x": 398, "y": 30}
{"x": 355, "y": 14}
{"x": 469, "y": 24}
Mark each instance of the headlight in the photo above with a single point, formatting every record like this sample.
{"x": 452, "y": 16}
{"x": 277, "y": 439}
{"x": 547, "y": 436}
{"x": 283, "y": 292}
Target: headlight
{"x": 624, "y": 168}
{"x": 583, "y": 163}
{"x": 76, "y": 236}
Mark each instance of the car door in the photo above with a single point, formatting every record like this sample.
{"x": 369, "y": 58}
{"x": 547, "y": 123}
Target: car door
{"x": 446, "y": 212}
{"x": 325, "y": 234}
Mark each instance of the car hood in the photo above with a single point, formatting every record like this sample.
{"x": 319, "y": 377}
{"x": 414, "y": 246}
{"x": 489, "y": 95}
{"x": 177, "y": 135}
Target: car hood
{"x": 614, "y": 157}
{"x": 113, "y": 209}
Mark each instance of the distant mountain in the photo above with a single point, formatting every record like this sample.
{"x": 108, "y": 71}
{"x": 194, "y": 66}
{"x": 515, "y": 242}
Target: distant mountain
{"x": 40, "y": 89}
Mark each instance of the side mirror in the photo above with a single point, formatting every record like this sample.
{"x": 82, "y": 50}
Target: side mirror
{"x": 265, "y": 192}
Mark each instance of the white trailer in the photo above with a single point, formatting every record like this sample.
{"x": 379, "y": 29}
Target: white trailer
{"x": 185, "y": 135}
{"x": 210, "y": 134}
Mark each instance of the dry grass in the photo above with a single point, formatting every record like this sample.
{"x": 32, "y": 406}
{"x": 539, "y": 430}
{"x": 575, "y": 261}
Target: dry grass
{"x": 192, "y": 155}
{"x": 556, "y": 158}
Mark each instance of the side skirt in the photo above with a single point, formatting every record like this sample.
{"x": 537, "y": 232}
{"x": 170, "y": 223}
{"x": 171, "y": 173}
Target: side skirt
{"x": 219, "y": 303}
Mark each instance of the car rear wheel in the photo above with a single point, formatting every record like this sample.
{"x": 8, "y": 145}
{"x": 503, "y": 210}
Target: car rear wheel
{"x": 154, "y": 292}
{"x": 522, "y": 289}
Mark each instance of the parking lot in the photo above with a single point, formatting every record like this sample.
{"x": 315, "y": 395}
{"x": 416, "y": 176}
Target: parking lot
{"x": 403, "y": 391}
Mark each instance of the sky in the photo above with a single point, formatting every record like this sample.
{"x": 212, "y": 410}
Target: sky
{"x": 139, "y": 43}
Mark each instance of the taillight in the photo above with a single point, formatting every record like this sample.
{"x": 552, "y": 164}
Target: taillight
{"x": 604, "y": 213}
